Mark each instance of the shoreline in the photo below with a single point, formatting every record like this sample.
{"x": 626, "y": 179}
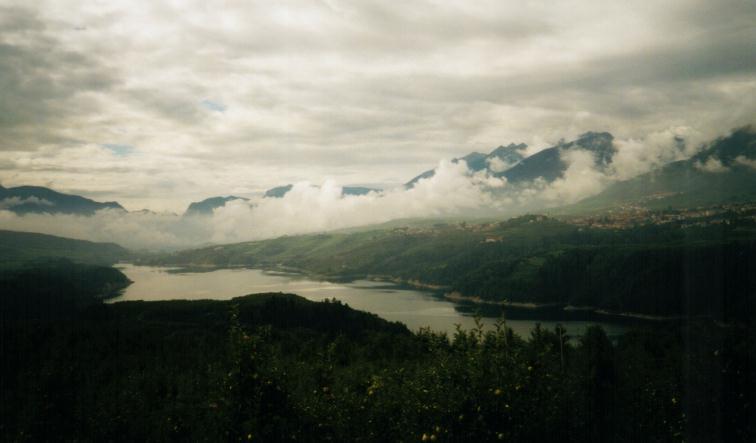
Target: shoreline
{"x": 452, "y": 296}
{"x": 461, "y": 298}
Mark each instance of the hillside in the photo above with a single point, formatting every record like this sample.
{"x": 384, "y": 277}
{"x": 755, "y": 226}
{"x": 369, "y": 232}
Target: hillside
{"x": 208, "y": 205}
{"x": 532, "y": 259}
{"x": 37, "y": 199}
{"x": 19, "y": 247}
{"x": 724, "y": 172}
{"x": 548, "y": 164}
{"x": 55, "y": 288}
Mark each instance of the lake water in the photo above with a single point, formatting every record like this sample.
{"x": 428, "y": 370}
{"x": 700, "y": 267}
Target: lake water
{"x": 412, "y": 307}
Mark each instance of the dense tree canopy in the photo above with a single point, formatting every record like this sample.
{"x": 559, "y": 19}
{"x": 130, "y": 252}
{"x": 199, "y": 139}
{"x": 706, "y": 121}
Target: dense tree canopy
{"x": 279, "y": 368}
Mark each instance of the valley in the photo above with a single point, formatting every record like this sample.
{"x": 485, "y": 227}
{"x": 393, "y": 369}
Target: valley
{"x": 535, "y": 259}
{"x": 626, "y": 316}
{"x": 378, "y": 222}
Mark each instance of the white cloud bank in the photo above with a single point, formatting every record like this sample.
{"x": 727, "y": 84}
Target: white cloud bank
{"x": 307, "y": 208}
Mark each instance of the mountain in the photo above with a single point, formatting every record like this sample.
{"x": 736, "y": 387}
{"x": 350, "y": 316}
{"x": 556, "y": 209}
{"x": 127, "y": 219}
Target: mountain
{"x": 508, "y": 162}
{"x": 548, "y": 164}
{"x": 37, "y": 199}
{"x": 724, "y": 172}
{"x": 496, "y": 161}
{"x": 208, "y": 205}
{"x": 280, "y": 191}
{"x": 17, "y": 248}
{"x": 358, "y": 190}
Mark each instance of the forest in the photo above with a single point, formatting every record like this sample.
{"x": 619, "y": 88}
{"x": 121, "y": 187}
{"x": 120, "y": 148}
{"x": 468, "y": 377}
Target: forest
{"x": 276, "y": 367}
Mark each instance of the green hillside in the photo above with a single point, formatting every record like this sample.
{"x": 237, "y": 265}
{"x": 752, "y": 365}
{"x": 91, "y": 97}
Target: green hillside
{"x": 532, "y": 259}
{"x": 19, "y": 247}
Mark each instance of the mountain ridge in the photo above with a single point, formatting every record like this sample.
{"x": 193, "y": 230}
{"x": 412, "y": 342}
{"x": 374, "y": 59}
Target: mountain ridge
{"x": 281, "y": 191}
{"x": 207, "y": 206}
{"x": 17, "y": 247}
{"x": 724, "y": 171}
{"x": 508, "y": 156}
{"x": 38, "y": 199}
{"x": 548, "y": 164}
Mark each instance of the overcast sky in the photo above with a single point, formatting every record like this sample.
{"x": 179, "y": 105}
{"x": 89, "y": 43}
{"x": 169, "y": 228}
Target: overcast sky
{"x": 158, "y": 103}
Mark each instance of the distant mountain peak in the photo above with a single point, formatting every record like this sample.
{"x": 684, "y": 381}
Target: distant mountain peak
{"x": 741, "y": 143}
{"x": 208, "y": 205}
{"x": 548, "y": 165}
{"x": 38, "y": 199}
{"x": 601, "y": 144}
{"x": 508, "y": 150}
{"x": 724, "y": 172}
{"x": 593, "y": 135}
{"x": 498, "y": 160}
{"x": 280, "y": 191}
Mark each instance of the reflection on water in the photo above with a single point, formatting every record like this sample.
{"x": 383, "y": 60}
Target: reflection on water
{"x": 414, "y": 308}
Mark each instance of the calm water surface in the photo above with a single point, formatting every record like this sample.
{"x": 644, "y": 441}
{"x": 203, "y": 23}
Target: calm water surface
{"x": 414, "y": 308}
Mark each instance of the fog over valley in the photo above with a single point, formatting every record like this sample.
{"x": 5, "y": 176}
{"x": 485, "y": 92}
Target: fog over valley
{"x": 473, "y": 186}
{"x": 157, "y": 106}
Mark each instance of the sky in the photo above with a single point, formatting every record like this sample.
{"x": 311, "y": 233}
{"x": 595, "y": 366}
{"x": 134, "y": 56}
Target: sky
{"x": 159, "y": 103}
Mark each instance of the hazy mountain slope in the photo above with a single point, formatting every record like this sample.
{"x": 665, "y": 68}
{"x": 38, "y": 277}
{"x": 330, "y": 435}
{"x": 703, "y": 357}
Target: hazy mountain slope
{"x": 548, "y": 164}
{"x": 280, "y": 191}
{"x": 722, "y": 173}
{"x": 497, "y": 160}
{"x": 208, "y": 205}
{"x": 37, "y": 199}
{"x": 358, "y": 190}
{"x": 19, "y": 247}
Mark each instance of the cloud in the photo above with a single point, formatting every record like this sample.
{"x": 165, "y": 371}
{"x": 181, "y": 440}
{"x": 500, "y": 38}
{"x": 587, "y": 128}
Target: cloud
{"x": 309, "y": 208}
{"x": 135, "y": 230}
{"x": 222, "y": 97}
{"x": 453, "y": 190}
{"x": 751, "y": 163}
{"x": 496, "y": 164}
{"x": 712, "y": 164}
{"x": 43, "y": 80}
{"x": 636, "y": 156}
{"x": 10, "y": 202}
{"x": 581, "y": 179}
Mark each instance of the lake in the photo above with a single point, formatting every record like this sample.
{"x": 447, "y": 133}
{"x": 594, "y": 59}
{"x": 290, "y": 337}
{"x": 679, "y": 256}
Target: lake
{"x": 414, "y": 308}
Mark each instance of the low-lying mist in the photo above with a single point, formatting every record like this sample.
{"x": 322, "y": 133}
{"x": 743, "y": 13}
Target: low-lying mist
{"x": 315, "y": 207}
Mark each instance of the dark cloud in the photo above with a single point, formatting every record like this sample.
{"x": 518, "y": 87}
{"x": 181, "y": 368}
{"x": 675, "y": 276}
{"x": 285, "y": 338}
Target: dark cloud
{"x": 43, "y": 84}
